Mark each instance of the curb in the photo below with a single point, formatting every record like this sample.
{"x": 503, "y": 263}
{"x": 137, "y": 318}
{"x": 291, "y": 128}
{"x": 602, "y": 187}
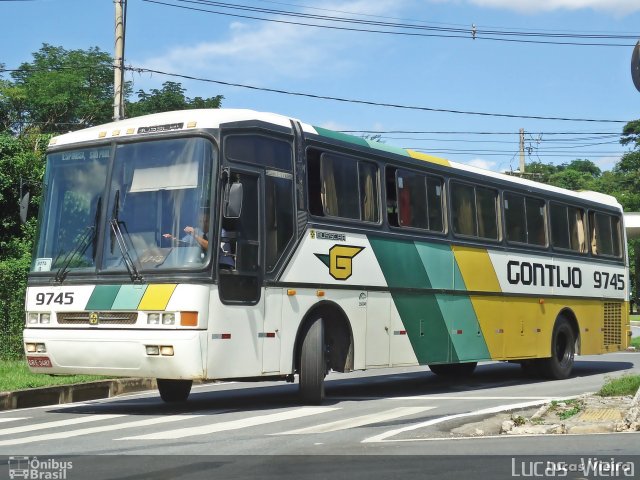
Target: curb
{"x": 80, "y": 392}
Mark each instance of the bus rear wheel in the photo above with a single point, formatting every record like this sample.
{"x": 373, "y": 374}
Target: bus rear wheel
{"x": 453, "y": 369}
{"x": 313, "y": 365}
{"x": 172, "y": 391}
{"x": 563, "y": 348}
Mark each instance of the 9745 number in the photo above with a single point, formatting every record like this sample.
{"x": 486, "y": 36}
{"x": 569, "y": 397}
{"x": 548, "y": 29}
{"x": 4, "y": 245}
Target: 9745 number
{"x": 608, "y": 280}
{"x": 48, "y": 298}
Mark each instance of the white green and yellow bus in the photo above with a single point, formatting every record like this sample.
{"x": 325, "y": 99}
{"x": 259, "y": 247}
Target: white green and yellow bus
{"x": 233, "y": 244}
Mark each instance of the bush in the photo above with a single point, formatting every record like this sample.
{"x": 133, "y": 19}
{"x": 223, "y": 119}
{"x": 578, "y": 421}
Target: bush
{"x": 13, "y": 282}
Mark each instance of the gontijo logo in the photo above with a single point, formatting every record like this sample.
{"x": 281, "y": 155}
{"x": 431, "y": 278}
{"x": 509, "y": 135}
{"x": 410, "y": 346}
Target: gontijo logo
{"x": 340, "y": 260}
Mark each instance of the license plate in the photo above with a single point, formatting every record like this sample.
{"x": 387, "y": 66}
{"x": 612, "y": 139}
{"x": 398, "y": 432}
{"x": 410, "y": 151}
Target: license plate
{"x": 39, "y": 362}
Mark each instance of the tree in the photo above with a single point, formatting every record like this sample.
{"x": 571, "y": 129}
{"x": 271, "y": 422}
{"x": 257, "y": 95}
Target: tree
{"x": 60, "y": 90}
{"x": 170, "y": 97}
{"x": 631, "y": 134}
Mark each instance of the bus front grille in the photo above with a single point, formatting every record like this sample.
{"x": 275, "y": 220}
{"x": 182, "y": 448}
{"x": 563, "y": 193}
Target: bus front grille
{"x": 612, "y": 324}
{"x": 103, "y": 318}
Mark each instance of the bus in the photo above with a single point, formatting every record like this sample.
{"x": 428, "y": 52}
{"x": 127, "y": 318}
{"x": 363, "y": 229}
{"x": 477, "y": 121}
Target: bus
{"x": 234, "y": 244}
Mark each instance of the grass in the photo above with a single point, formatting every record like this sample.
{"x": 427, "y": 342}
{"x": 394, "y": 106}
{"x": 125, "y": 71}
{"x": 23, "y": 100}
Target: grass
{"x": 618, "y": 387}
{"x": 566, "y": 409}
{"x": 15, "y": 375}
{"x": 635, "y": 342}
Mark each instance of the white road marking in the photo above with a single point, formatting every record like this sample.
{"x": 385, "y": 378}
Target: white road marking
{"x": 436, "y": 397}
{"x": 4, "y": 420}
{"x": 57, "y": 423}
{"x": 500, "y": 408}
{"x": 358, "y": 421}
{"x": 232, "y": 424}
{"x": 104, "y": 428}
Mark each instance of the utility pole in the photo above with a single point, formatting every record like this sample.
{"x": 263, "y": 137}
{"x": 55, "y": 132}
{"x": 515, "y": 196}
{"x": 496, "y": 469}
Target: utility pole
{"x": 521, "y": 151}
{"x": 118, "y": 62}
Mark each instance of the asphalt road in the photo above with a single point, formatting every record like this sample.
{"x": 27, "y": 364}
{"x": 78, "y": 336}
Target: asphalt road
{"x": 384, "y": 412}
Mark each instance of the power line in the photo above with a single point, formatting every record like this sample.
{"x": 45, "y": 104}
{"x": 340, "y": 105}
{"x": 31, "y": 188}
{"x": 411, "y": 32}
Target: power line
{"x": 493, "y": 35}
{"x": 300, "y": 5}
{"x": 463, "y": 132}
{"x": 369, "y": 102}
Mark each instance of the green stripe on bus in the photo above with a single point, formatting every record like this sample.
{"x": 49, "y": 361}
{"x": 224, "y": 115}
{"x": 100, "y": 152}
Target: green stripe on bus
{"x": 341, "y": 136}
{"x": 388, "y": 148}
{"x": 420, "y": 313}
{"x": 441, "y": 327}
{"x": 129, "y": 297}
{"x": 102, "y": 297}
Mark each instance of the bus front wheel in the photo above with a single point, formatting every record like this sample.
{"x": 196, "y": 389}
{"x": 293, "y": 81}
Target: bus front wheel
{"x": 313, "y": 366}
{"x": 172, "y": 391}
{"x": 563, "y": 348}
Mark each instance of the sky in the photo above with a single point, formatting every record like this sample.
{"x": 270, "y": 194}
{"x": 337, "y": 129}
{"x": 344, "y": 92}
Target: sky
{"x": 431, "y": 63}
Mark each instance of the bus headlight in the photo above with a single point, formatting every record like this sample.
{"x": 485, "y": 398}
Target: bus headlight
{"x": 32, "y": 318}
{"x": 168, "y": 318}
{"x": 153, "y": 319}
{"x": 45, "y": 318}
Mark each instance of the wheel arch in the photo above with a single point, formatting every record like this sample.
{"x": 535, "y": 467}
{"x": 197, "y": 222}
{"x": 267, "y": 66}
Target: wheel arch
{"x": 338, "y": 335}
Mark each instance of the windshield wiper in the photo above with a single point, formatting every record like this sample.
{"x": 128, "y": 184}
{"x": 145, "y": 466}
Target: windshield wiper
{"x": 88, "y": 237}
{"x": 116, "y": 233}
{"x": 81, "y": 246}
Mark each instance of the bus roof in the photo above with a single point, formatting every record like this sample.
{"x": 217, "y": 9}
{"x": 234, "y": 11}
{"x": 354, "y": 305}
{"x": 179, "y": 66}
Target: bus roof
{"x": 212, "y": 118}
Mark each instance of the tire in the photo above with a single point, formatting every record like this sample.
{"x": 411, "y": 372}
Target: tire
{"x": 563, "y": 349}
{"x": 313, "y": 365}
{"x": 173, "y": 391}
{"x": 453, "y": 369}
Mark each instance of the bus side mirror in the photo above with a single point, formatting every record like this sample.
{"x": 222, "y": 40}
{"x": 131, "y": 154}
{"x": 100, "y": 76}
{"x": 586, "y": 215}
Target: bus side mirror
{"x": 24, "y": 207}
{"x": 233, "y": 200}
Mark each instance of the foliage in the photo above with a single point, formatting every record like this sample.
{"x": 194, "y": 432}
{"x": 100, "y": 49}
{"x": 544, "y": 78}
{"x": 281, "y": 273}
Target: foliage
{"x": 631, "y": 134}
{"x": 627, "y": 384}
{"x": 60, "y": 90}
{"x": 170, "y": 97}
{"x": 15, "y": 375}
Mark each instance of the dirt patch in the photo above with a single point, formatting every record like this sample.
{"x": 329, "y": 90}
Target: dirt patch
{"x": 580, "y": 415}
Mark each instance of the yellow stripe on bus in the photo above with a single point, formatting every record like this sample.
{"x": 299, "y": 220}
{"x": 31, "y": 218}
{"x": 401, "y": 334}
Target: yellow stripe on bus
{"x": 428, "y": 158}
{"x": 476, "y": 269}
{"x": 157, "y": 297}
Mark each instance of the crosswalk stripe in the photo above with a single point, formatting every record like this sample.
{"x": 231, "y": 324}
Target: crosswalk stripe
{"x": 57, "y": 423}
{"x": 14, "y": 419}
{"x": 103, "y": 428}
{"x": 232, "y": 424}
{"x": 358, "y": 421}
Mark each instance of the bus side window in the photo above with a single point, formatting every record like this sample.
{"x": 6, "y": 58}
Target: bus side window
{"x": 605, "y": 236}
{"x": 279, "y": 217}
{"x": 392, "y": 197}
{"x": 463, "y": 207}
{"x": 343, "y": 187}
{"x": 568, "y": 228}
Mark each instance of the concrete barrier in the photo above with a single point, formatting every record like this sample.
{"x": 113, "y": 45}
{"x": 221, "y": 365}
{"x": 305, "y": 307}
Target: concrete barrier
{"x": 81, "y": 392}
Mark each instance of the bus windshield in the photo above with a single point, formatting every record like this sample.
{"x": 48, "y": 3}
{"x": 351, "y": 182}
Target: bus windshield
{"x": 138, "y": 216}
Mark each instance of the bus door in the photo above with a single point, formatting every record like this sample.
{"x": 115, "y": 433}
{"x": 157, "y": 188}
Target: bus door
{"x": 239, "y": 274}
{"x": 271, "y": 200}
